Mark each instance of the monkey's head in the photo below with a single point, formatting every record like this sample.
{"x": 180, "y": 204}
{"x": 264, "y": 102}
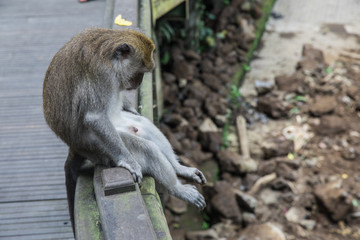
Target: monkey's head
{"x": 131, "y": 55}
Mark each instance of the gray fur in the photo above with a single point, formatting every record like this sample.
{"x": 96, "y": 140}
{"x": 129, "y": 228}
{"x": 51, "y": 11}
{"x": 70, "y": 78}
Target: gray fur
{"x": 84, "y": 104}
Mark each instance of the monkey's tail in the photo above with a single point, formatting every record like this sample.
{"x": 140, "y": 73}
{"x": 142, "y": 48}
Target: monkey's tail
{"x": 72, "y": 167}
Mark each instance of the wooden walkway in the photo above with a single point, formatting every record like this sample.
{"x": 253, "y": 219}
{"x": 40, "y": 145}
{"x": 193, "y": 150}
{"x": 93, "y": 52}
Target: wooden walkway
{"x": 32, "y": 193}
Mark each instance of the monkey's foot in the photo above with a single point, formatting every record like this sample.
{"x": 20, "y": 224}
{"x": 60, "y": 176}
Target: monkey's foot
{"x": 189, "y": 194}
{"x": 193, "y": 174}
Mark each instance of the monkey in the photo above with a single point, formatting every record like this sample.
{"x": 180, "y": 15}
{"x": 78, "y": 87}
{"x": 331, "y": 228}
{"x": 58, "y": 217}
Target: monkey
{"x": 85, "y": 106}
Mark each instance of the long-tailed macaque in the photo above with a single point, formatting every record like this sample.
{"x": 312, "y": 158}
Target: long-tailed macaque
{"x": 84, "y": 104}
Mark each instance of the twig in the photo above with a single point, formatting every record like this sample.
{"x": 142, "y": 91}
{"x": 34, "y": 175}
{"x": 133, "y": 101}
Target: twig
{"x": 261, "y": 182}
{"x": 243, "y": 139}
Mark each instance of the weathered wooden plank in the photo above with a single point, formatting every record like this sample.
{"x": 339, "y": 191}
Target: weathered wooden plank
{"x": 87, "y": 217}
{"x": 121, "y": 212}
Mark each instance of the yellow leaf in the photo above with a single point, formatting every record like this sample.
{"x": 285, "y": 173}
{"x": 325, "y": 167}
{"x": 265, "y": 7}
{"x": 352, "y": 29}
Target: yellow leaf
{"x": 122, "y": 22}
{"x": 291, "y": 156}
{"x": 344, "y": 176}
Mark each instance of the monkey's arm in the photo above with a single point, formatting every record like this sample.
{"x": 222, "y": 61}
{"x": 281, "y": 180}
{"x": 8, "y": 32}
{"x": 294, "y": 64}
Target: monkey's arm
{"x": 104, "y": 139}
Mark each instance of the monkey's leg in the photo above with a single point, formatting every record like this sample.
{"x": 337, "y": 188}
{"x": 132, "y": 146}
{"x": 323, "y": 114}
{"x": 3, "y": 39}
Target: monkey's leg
{"x": 72, "y": 167}
{"x": 165, "y": 174}
{"x": 155, "y": 164}
{"x": 154, "y": 135}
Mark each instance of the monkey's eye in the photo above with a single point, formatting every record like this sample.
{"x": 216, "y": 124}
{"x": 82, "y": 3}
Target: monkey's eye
{"x": 123, "y": 51}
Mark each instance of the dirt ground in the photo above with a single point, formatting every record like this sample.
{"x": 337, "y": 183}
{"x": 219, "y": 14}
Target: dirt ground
{"x": 302, "y": 180}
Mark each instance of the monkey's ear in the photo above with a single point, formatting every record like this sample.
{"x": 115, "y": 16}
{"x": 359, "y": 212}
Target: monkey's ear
{"x": 123, "y": 51}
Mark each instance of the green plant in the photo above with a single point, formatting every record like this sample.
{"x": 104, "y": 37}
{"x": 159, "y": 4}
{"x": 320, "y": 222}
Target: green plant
{"x": 165, "y": 31}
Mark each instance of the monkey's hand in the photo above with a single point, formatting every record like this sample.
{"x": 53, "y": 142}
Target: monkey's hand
{"x": 134, "y": 168}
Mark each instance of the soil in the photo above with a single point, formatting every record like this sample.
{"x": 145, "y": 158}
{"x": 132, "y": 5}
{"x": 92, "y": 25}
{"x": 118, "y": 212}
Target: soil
{"x": 304, "y": 135}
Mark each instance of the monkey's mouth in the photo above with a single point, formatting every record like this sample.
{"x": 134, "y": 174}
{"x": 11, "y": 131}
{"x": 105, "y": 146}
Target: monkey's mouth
{"x": 136, "y": 81}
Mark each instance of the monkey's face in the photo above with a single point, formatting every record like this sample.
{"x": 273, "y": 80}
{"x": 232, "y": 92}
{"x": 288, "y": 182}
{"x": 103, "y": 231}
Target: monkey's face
{"x": 131, "y": 65}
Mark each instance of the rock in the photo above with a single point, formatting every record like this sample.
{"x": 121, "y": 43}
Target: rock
{"x": 291, "y": 83}
{"x": 273, "y": 105}
{"x": 280, "y": 184}
{"x": 209, "y": 234}
{"x": 313, "y": 61}
{"x": 183, "y": 69}
{"x": 173, "y": 120}
{"x": 286, "y": 172}
{"x": 337, "y": 201}
{"x": 210, "y": 141}
{"x": 168, "y": 78}
{"x": 176, "y": 205}
{"x": 277, "y": 147}
{"x": 310, "y": 52}
{"x": 224, "y": 202}
{"x": 208, "y": 126}
{"x": 172, "y": 139}
{"x": 245, "y": 201}
{"x": 266, "y": 167}
{"x": 249, "y": 218}
{"x": 220, "y": 120}
{"x": 197, "y": 91}
{"x": 211, "y": 81}
{"x": 225, "y": 229}
{"x": 349, "y": 154}
{"x": 263, "y": 87}
{"x": 266, "y": 231}
{"x": 215, "y": 105}
{"x": 193, "y": 103}
{"x": 331, "y": 124}
{"x": 172, "y": 92}
{"x": 323, "y": 105}
{"x": 192, "y": 55}
{"x": 229, "y": 161}
{"x": 296, "y": 214}
{"x": 308, "y": 224}
{"x": 207, "y": 66}
{"x": 269, "y": 196}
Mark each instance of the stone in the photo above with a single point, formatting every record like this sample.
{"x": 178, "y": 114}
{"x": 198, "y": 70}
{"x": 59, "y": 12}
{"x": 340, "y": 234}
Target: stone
{"x": 209, "y": 234}
{"x": 224, "y": 202}
{"x": 207, "y": 66}
{"x": 266, "y": 231}
{"x": 208, "y": 126}
{"x": 296, "y": 214}
{"x": 210, "y": 141}
{"x": 249, "y": 218}
{"x": 183, "y": 69}
{"x": 308, "y": 224}
{"x": 176, "y": 205}
{"x": 269, "y": 196}
{"x": 323, "y": 105}
{"x": 225, "y": 229}
{"x": 291, "y": 83}
{"x": 192, "y": 103}
{"x": 273, "y": 105}
{"x": 173, "y": 120}
{"x": 336, "y": 201}
{"x": 263, "y": 87}
{"x": 198, "y": 91}
{"x": 245, "y": 201}
{"x": 229, "y": 161}
{"x": 331, "y": 124}
{"x": 192, "y": 55}
{"x": 266, "y": 167}
{"x": 277, "y": 147}
{"x": 168, "y": 78}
